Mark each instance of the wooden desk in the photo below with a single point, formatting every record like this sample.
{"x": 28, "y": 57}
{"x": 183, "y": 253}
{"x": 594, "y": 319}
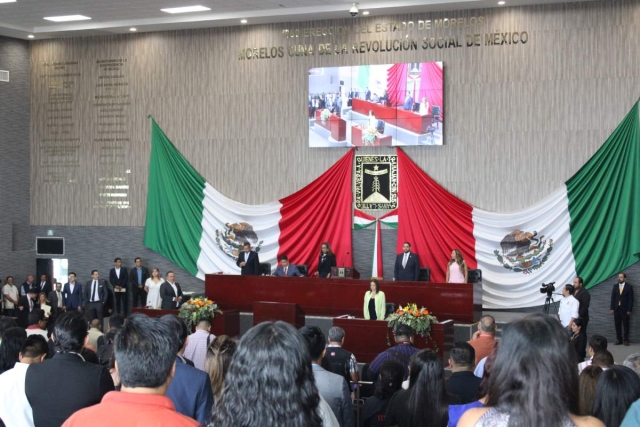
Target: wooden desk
{"x": 265, "y": 311}
{"x": 338, "y": 128}
{"x": 368, "y": 338}
{"x": 357, "y": 141}
{"x": 399, "y": 117}
{"x": 227, "y": 323}
{"x": 461, "y": 302}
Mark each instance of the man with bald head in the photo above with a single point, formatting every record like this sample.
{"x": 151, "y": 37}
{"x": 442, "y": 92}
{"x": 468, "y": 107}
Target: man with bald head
{"x": 483, "y": 340}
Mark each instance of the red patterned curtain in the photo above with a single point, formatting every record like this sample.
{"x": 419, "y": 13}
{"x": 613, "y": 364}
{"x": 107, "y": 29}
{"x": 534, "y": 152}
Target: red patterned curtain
{"x": 397, "y": 83}
{"x": 431, "y": 85}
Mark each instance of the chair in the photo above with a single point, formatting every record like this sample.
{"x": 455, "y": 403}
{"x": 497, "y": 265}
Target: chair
{"x": 303, "y": 269}
{"x": 425, "y": 275}
{"x": 389, "y": 309}
{"x": 474, "y": 276}
{"x": 265, "y": 269}
{"x": 416, "y": 107}
{"x": 435, "y": 112}
{"x": 380, "y": 126}
{"x": 431, "y": 130}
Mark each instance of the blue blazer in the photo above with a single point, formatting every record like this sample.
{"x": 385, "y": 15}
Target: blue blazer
{"x": 72, "y": 300}
{"x": 190, "y": 392}
{"x": 292, "y": 270}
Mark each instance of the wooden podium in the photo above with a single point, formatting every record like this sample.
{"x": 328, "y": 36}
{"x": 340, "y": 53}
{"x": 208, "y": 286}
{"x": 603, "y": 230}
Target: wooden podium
{"x": 266, "y": 311}
{"x": 344, "y": 273}
{"x": 227, "y": 323}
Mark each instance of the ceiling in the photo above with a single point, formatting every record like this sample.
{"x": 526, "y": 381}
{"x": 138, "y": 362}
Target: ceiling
{"x": 25, "y": 17}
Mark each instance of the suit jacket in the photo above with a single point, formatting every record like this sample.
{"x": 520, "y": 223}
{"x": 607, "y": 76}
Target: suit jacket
{"x": 77, "y": 384}
{"x": 190, "y": 392}
{"x": 334, "y": 389}
{"x": 625, "y": 300}
{"x": 167, "y": 295}
{"x": 411, "y": 272}
{"x": 464, "y": 385}
{"x": 103, "y": 289}
{"x": 23, "y": 315}
{"x": 122, "y": 281}
{"x": 408, "y": 103}
{"x": 53, "y": 299}
{"x": 252, "y": 266}
{"x": 292, "y": 270}
{"x": 584, "y": 298}
{"x": 46, "y": 289}
{"x": 25, "y": 287}
{"x": 75, "y": 299}
{"x": 133, "y": 277}
{"x": 324, "y": 267}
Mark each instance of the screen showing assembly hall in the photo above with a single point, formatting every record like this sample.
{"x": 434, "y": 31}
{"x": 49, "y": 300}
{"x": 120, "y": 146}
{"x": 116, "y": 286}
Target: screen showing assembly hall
{"x": 376, "y": 105}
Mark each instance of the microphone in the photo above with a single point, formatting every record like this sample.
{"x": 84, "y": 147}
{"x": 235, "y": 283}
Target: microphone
{"x": 344, "y": 259}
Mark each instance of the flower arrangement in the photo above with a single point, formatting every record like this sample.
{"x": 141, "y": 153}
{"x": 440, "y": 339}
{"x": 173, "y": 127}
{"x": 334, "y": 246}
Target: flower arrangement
{"x": 369, "y": 136}
{"x": 324, "y": 115}
{"x": 197, "y": 309}
{"x": 418, "y": 319}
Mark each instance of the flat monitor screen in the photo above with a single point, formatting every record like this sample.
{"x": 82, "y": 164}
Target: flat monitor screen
{"x": 50, "y": 246}
{"x": 376, "y": 105}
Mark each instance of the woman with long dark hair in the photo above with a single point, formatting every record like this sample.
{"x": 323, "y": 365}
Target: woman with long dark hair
{"x": 270, "y": 381}
{"x": 578, "y": 339}
{"x": 12, "y": 341}
{"x": 617, "y": 389}
{"x": 327, "y": 260}
{"x": 534, "y": 380}
{"x": 375, "y": 302}
{"x": 389, "y": 382}
{"x": 589, "y": 378}
{"x": 457, "y": 271}
{"x": 219, "y": 355}
{"x": 425, "y": 403}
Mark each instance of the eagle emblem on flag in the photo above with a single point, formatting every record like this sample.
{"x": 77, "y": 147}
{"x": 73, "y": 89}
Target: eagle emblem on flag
{"x": 523, "y": 251}
{"x": 231, "y": 239}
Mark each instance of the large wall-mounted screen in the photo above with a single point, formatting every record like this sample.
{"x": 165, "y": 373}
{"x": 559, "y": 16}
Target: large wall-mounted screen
{"x": 376, "y": 105}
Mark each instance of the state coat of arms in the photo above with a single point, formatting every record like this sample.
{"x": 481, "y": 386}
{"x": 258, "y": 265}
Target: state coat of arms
{"x": 233, "y": 236}
{"x": 523, "y": 251}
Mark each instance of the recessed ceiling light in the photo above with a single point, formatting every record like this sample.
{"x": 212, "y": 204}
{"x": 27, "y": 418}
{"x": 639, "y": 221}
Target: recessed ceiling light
{"x": 133, "y": 29}
{"x": 7, "y": 1}
{"x": 366, "y": 12}
{"x": 501, "y": 3}
{"x": 67, "y": 18}
{"x": 243, "y": 21}
{"x": 185, "y": 9}
{"x": 30, "y": 36}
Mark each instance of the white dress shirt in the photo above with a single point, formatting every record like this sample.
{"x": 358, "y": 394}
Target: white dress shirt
{"x": 569, "y": 307}
{"x": 15, "y": 409}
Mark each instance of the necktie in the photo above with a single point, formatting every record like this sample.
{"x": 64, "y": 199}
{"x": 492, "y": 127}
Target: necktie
{"x": 94, "y": 288}
{"x": 30, "y": 304}
{"x": 59, "y": 299}
{"x": 285, "y": 271}
{"x": 404, "y": 260}
{"x": 42, "y": 285}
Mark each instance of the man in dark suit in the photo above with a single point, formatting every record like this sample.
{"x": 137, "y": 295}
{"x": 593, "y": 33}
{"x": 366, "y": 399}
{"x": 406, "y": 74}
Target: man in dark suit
{"x": 119, "y": 279}
{"x": 72, "y": 294}
{"x": 190, "y": 389}
{"x": 95, "y": 296}
{"x": 621, "y": 305}
{"x": 584, "y": 298}
{"x": 82, "y": 384}
{"x": 57, "y": 305}
{"x": 26, "y": 286}
{"x": 248, "y": 261}
{"x": 44, "y": 285}
{"x": 26, "y": 304}
{"x": 408, "y": 102}
{"x": 367, "y": 94}
{"x": 138, "y": 276}
{"x": 407, "y": 267}
{"x": 170, "y": 293}
{"x": 462, "y": 384}
{"x": 285, "y": 269}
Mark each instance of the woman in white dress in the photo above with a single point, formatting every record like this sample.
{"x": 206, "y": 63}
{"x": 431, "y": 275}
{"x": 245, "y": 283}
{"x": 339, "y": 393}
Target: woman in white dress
{"x": 152, "y": 287}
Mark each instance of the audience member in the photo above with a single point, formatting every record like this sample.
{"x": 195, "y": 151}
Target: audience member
{"x": 617, "y": 389}
{"x": 633, "y": 362}
{"x": 37, "y": 324}
{"x": 588, "y": 381}
{"x": 425, "y": 403}
{"x": 190, "y": 389}
{"x": 337, "y": 359}
{"x": 28, "y": 286}
{"x": 389, "y": 382}
{"x": 256, "y": 379}
{"x": 535, "y": 359}
{"x": 332, "y": 387}
{"x": 484, "y": 340}
{"x": 11, "y": 296}
{"x": 57, "y": 302}
{"x": 116, "y": 322}
{"x": 219, "y": 355}
{"x": 43, "y": 304}
{"x": 462, "y": 383}
{"x": 95, "y": 332}
{"x": 146, "y": 363}
{"x": 6, "y": 323}
{"x": 632, "y": 419}
{"x": 12, "y": 341}
{"x": 597, "y": 343}
{"x": 26, "y": 304}
{"x": 578, "y": 339}
{"x": 77, "y": 384}
{"x": 15, "y": 409}
{"x": 401, "y": 352}
{"x": 604, "y": 359}
{"x": 198, "y": 343}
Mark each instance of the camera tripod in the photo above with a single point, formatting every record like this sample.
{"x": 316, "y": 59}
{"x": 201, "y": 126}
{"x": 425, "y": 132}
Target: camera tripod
{"x": 550, "y": 306}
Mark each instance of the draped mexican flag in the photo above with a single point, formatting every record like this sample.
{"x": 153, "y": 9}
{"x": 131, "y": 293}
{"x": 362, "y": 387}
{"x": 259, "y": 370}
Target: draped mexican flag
{"x": 194, "y": 225}
{"x": 363, "y": 220}
{"x": 589, "y": 227}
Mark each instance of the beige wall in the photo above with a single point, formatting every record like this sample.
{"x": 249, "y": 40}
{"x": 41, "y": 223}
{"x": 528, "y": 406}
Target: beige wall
{"x": 520, "y": 119}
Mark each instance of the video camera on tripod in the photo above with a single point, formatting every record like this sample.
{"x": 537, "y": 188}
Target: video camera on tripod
{"x": 548, "y": 288}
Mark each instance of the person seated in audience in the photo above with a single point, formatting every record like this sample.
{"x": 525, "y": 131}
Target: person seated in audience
{"x": 402, "y": 351}
{"x": 462, "y": 384}
{"x": 12, "y": 341}
{"x": 95, "y": 332}
{"x": 285, "y": 269}
{"x": 190, "y": 389}
{"x": 145, "y": 362}
{"x": 43, "y": 304}
{"x": 633, "y": 362}
{"x": 332, "y": 387}
{"x": 604, "y": 359}
{"x": 389, "y": 382}
{"x": 37, "y": 323}
{"x": 617, "y": 389}
{"x": 597, "y": 343}
{"x": 588, "y": 381}
{"x": 219, "y": 355}
{"x": 484, "y": 339}
{"x": 632, "y": 419}
{"x": 256, "y": 380}
{"x": 15, "y": 409}
{"x": 535, "y": 358}
{"x": 578, "y": 339}
{"x": 76, "y": 383}
{"x": 375, "y": 304}
{"x": 337, "y": 359}
{"x": 6, "y": 323}
{"x": 425, "y": 403}
{"x": 198, "y": 343}
{"x": 116, "y": 322}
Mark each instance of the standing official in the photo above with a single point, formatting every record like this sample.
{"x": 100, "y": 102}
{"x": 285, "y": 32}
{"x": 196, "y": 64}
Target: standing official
{"x": 138, "y": 277}
{"x": 327, "y": 260}
{"x": 119, "y": 279}
{"x": 248, "y": 261}
{"x": 72, "y": 294}
{"x": 407, "y": 267}
{"x": 95, "y": 296}
{"x": 171, "y": 293}
{"x": 621, "y": 305}
{"x": 584, "y": 298}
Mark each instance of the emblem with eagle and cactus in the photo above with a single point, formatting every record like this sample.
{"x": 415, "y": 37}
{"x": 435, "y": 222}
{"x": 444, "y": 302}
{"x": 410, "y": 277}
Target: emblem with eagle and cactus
{"x": 523, "y": 251}
{"x": 231, "y": 239}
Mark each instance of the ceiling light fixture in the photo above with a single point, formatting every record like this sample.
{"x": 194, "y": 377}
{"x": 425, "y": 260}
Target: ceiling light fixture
{"x": 243, "y": 21}
{"x": 133, "y": 29}
{"x": 31, "y": 36}
{"x": 366, "y": 12}
{"x": 67, "y": 18}
{"x": 185, "y": 9}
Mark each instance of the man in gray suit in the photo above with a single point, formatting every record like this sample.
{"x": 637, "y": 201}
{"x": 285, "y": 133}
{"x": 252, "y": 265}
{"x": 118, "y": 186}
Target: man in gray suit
{"x": 95, "y": 296}
{"x": 332, "y": 387}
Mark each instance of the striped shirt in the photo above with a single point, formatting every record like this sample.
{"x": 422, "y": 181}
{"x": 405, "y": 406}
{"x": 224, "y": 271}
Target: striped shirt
{"x": 196, "y": 350}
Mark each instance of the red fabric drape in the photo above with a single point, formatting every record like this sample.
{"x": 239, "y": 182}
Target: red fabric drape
{"x": 433, "y": 220}
{"x": 397, "y": 83}
{"x": 320, "y": 212}
{"x": 431, "y": 85}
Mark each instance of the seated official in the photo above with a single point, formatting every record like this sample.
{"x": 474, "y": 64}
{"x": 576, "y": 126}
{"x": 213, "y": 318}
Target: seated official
{"x": 374, "y": 302}
{"x": 285, "y": 269}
